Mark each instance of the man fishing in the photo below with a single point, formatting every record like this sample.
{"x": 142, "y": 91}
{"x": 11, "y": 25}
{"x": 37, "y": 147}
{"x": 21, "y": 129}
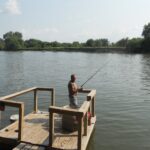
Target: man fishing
{"x": 73, "y": 90}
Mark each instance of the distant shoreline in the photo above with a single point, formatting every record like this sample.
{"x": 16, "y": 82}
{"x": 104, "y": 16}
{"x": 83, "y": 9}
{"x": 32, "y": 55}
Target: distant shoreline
{"x": 122, "y": 50}
{"x": 71, "y": 49}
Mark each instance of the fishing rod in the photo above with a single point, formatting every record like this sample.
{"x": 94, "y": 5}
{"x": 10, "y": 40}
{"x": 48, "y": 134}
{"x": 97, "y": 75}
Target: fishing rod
{"x": 95, "y": 73}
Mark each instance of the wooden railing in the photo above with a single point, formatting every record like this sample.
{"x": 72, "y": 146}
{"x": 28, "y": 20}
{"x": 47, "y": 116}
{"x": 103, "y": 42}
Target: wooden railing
{"x": 20, "y": 106}
{"x": 7, "y": 101}
{"x": 81, "y": 115}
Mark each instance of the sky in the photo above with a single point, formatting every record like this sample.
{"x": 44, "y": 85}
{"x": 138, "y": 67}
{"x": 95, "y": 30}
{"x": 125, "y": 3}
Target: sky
{"x": 74, "y": 20}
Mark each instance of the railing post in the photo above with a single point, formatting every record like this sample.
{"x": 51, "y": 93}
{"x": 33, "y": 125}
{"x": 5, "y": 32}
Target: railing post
{"x": 51, "y": 128}
{"x": 85, "y": 124}
{"x": 21, "y": 115}
{"x": 53, "y": 97}
{"x": 80, "y": 133}
{"x": 35, "y": 101}
{"x": 93, "y": 106}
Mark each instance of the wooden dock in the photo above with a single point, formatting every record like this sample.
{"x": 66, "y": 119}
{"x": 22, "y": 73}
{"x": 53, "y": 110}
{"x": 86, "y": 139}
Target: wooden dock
{"x": 43, "y": 130}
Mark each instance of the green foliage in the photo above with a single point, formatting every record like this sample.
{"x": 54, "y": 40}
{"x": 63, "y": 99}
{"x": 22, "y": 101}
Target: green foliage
{"x": 146, "y": 31}
{"x": 76, "y": 44}
{"x": 55, "y": 44}
{"x": 134, "y": 44}
{"x": 122, "y": 43}
{"x": 2, "y": 44}
{"x": 146, "y": 45}
{"x": 104, "y": 42}
{"x": 97, "y": 43}
{"x": 33, "y": 43}
{"x": 90, "y": 43}
{"x": 13, "y": 40}
{"x": 66, "y": 45}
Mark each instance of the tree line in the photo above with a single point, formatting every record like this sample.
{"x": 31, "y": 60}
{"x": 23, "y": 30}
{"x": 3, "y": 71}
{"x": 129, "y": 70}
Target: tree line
{"x": 14, "y": 41}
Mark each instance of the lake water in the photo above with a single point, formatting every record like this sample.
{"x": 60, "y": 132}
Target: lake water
{"x": 123, "y": 91}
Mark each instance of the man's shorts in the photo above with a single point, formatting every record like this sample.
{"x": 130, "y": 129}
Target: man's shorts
{"x": 73, "y": 101}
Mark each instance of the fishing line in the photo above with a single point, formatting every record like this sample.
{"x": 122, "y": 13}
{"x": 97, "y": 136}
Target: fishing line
{"x": 98, "y": 70}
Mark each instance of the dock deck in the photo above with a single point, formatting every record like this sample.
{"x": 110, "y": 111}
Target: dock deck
{"x": 43, "y": 130}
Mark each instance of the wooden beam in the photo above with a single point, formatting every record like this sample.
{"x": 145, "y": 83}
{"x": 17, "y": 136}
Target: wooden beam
{"x": 52, "y": 94}
{"x": 35, "y": 101}
{"x": 93, "y": 106}
{"x": 85, "y": 107}
{"x": 19, "y": 105}
{"x": 17, "y": 93}
{"x": 85, "y": 91}
{"x": 92, "y": 94}
{"x": 51, "y": 128}
{"x": 21, "y": 116}
{"x": 53, "y": 97}
{"x": 44, "y": 89}
{"x": 80, "y": 124}
{"x": 12, "y": 103}
{"x": 66, "y": 111}
{"x": 85, "y": 124}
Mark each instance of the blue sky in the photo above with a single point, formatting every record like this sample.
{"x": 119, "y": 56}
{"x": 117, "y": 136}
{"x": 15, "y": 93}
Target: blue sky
{"x": 74, "y": 20}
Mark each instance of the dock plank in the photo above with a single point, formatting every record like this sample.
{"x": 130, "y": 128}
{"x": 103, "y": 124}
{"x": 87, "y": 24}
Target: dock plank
{"x": 36, "y": 131}
{"x": 69, "y": 141}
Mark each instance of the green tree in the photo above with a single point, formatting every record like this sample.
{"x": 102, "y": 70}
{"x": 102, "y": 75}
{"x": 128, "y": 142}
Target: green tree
{"x": 33, "y": 43}
{"x": 122, "y": 43}
{"x": 146, "y": 31}
{"x": 90, "y": 43}
{"x": 55, "y": 44}
{"x": 104, "y": 42}
{"x": 65, "y": 45}
{"x": 13, "y": 40}
{"x": 75, "y": 44}
{"x": 146, "y": 45}
{"x": 134, "y": 44}
{"x": 2, "y": 44}
{"x": 98, "y": 43}
{"x": 146, "y": 42}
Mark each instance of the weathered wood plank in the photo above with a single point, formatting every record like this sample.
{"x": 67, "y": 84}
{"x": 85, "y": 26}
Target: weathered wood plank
{"x": 17, "y": 93}
{"x": 12, "y": 103}
{"x": 36, "y": 131}
{"x": 35, "y": 101}
{"x": 91, "y": 94}
{"x": 67, "y": 111}
{"x": 85, "y": 139}
{"x": 20, "y": 126}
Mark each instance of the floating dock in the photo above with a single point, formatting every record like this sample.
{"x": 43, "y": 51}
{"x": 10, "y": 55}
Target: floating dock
{"x": 44, "y": 130}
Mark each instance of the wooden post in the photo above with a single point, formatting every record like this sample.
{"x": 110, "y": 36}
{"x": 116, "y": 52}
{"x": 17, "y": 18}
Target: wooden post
{"x": 51, "y": 128}
{"x": 35, "y": 101}
{"x": 93, "y": 106}
{"x": 89, "y": 99}
{"x": 79, "y": 133}
{"x": 21, "y": 115}
{"x": 53, "y": 97}
{"x": 85, "y": 124}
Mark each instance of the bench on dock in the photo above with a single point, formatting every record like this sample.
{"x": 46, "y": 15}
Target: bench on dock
{"x": 43, "y": 130}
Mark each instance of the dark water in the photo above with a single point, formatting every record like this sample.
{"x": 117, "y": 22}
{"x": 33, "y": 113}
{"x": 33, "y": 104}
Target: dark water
{"x": 123, "y": 91}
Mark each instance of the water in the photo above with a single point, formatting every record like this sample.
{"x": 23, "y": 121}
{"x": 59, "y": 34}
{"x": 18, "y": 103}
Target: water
{"x": 123, "y": 91}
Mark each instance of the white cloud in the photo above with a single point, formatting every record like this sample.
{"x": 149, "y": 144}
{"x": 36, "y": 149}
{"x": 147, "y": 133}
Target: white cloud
{"x": 12, "y": 7}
